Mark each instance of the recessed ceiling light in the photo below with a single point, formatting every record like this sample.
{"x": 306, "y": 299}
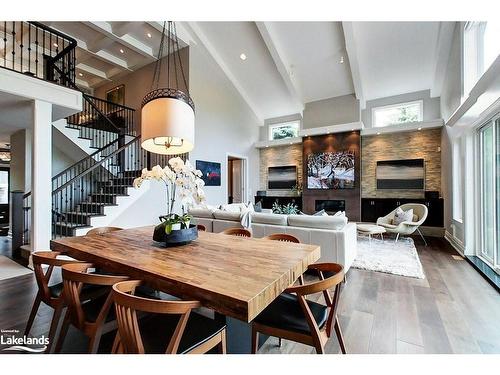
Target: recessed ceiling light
{"x": 80, "y": 74}
{"x": 55, "y": 45}
{"x": 378, "y": 133}
{"x": 341, "y": 59}
{"x": 122, "y": 51}
{"x": 352, "y": 130}
{"x": 149, "y": 35}
{"x": 243, "y": 56}
{"x": 419, "y": 129}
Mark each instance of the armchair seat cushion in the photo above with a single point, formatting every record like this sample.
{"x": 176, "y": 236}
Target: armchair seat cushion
{"x": 385, "y": 225}
{"x": 286, "y": 313}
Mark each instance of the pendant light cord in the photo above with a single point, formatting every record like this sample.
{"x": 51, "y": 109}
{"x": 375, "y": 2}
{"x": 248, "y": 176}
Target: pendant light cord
{"x": 174, "y": 50}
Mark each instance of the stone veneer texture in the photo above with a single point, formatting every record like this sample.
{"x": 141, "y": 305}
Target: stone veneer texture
{"x": 424, "y": 144}
{"x": 279, "y": 157}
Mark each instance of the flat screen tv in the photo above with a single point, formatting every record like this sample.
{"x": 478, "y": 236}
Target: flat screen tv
{"x": 282, "y": 177}
{"x": 406, "y": 174}
{"x": 330, "y": 170}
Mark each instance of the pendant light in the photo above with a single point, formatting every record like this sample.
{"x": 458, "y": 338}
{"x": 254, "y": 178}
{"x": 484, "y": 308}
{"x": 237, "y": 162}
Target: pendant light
{"x": 167, "y": 113}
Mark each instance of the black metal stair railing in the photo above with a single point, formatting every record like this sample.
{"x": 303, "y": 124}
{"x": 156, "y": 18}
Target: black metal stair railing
{"x": 39, "y": 51}
{"x": 102, "y": 122}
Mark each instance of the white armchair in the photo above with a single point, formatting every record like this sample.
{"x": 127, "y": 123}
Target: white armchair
{"x": 406, "y": 227}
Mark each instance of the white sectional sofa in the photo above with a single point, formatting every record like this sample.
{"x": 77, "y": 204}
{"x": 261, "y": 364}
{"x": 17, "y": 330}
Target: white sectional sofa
{"x": 334, "y": 234}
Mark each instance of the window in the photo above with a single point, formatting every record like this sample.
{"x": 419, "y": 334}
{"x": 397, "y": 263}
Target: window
{"x": 458, "y": 163}
{"x": 481, "y": 48}
{"x": 284, "y": 130}
{"x": 489, "y": 192}
{"x": 397, "y": 113}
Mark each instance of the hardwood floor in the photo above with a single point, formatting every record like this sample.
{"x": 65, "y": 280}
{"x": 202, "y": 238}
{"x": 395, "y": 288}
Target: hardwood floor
{"x": 453, "y": 310}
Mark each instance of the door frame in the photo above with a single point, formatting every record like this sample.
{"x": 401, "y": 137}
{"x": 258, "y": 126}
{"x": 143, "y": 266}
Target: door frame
{"x": 245, "y": 175}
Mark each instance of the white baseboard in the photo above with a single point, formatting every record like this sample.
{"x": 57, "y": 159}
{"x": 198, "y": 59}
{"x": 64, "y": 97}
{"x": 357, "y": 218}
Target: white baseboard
{"x": 455, "y": 242}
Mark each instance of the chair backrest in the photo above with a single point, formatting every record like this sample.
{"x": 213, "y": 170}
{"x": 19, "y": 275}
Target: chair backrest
{"x": 420, "y": 210}
{"x": 74, "y": 277}
{"x": 201, "y": 228}
{"x": 334, "y": 280}
{"x": 102, "y": 230}
{"x": 240, "y": 232}
{"x": 47, "y": 258}
{"x": 282, "y": 237}
{"x": 127, "y": 305}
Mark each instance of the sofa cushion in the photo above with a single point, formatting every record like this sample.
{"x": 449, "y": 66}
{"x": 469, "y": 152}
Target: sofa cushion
{"x": 201, "y": 212}
{"x": 227, "y": 215}
{"x": 234, "y": 207}
{"x": 263, "y": 218}
{"x": 318, "y": 222}
{"x": 320, "y": 213}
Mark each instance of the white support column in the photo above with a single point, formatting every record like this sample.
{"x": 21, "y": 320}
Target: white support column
{"x": 41, "y": 176}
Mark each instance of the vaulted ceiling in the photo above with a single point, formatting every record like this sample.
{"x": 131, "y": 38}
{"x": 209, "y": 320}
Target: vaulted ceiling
{"x": 287, "y": 64}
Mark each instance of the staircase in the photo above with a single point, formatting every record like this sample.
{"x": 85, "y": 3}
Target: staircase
{"x": 105, "y": 131}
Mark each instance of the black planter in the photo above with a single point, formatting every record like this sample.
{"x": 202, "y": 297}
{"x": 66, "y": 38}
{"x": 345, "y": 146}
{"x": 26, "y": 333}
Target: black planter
{"x": 176, "y": 237}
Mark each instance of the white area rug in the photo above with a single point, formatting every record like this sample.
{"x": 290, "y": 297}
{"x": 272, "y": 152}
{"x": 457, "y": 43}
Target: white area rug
{"x": 10, "y": 269}
{"x": 398, "y": 258}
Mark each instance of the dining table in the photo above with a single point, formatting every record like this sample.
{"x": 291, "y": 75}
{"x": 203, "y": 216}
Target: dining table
{"x": 236, "y": 277}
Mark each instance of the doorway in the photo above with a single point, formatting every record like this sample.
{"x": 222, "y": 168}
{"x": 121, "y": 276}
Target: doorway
{"x": 236, "y": 179}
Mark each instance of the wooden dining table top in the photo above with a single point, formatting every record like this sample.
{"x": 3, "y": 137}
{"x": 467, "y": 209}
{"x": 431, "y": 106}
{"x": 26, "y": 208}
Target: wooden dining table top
{"x": 235, "y": 276}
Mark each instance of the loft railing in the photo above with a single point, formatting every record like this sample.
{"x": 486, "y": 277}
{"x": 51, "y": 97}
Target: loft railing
{"x": 99, "y": 118}
{"x": 39, "y": 51}
{"x": 76, "y": 199}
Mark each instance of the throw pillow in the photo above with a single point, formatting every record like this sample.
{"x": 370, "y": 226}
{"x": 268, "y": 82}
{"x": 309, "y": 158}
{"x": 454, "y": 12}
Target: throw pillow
{"x": 258, "y": 207}
{"x": 401, "y": 216}
{"x": 321, "y": 213}
{"x": 340, "y": 213}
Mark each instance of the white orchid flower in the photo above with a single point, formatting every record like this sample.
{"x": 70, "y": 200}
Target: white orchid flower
{"x": 138, "y": 182}
{"x": 157, "y": 172}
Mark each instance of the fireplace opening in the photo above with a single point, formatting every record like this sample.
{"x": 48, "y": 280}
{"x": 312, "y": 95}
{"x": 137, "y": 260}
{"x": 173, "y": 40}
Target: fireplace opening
{"x": 330, "y": 206}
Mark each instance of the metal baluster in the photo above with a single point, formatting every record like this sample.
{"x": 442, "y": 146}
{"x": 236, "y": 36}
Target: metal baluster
{"x": 13, "y": 44}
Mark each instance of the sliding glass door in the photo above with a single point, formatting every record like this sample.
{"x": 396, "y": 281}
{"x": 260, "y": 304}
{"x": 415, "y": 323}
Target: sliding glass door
{"x": 489, "y": 192}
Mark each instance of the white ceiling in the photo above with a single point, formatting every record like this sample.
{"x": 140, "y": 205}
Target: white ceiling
{"x": 288, "y": 63}
{"x": 394, "y": 58}
{"x": 313, "y": 52}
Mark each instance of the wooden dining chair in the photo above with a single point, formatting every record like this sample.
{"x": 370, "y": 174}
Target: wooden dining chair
{"x": 283, "y": 237}
{"x": 201, "y": 228}
{"x": 173, "y": 328}
{"x": 239, "y": 232}
{"x": 93, "y": 318}
{"x": 44, "y": 264}
{"x": 102, "y": 230}
{"x": 292, "y": 317}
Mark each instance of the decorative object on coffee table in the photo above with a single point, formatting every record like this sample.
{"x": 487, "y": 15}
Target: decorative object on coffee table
{"x": 182, "y": 180}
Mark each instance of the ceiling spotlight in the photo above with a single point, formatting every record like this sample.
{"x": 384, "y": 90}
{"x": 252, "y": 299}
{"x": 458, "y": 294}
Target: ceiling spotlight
{"x": 243, "y": 56}
{"x": 378, "y": 133}
{"x": 149, "y": 35}
{"x": 80, "y": 74}
{"x": 341, "y": 59}
{"x": 55, "y": 45}
{"x": 122, "y": 51}
{"x": 419, "y": 129}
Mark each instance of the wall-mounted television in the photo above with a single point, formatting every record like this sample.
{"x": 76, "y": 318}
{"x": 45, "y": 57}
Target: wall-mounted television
{"x": 408, "y": 174}
{"x": 282, "y": 177}
{"x": 330, "y": 170}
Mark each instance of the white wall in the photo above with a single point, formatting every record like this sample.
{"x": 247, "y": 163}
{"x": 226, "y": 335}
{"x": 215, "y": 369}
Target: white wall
{"x": 224, "y": 122}
{"x": 332, "y": 111}
{"x": 450, "y": 100}
{"x": 431, "y": 105}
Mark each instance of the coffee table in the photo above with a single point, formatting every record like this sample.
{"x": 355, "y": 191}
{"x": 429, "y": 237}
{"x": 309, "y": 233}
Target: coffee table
{"x": 368, "y": 229}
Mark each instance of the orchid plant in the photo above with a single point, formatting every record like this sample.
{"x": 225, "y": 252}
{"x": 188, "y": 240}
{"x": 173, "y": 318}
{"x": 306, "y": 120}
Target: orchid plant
{"x": 181, "y": 180}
